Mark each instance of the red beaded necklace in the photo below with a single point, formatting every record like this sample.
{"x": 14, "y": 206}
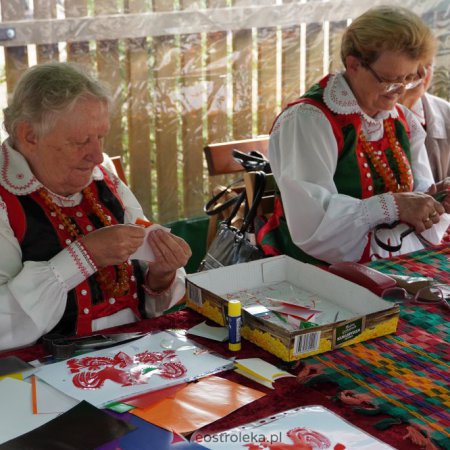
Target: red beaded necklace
{"x": 383, "y": 169}
{"x": 112, "y": 287}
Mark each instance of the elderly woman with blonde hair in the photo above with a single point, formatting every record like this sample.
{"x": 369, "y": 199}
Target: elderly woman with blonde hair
{"x": 347, "y": 157}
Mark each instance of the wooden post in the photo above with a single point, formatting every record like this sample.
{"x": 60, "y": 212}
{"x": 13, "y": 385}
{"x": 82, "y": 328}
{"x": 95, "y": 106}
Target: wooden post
{"x": 217, "y": 87}
{"x": 109, "y": 71}
{"x": 242, "y": 81}
{"x": 336, "y": 31}
{"x": 78, "y": 52}
{"x": 314, "y": 54}
{"x": 192, "y": 94}
{"x": 46, "y": 9}
{"x": 290, "y": 63}
{"x": 137, "y": 69}
{"x": 166, "y": 54}
{"x": 267, "y": 79}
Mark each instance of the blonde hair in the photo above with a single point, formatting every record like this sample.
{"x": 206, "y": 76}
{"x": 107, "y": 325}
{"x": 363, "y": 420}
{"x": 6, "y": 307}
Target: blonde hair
{"x": 388, "y": 28}
{"x": 46, "y": 91}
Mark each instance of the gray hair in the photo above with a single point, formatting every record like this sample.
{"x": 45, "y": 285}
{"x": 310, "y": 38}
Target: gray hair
{"x": 45, "y": 91}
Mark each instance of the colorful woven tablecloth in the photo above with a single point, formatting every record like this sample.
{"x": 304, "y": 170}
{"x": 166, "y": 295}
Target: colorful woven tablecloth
{"x": 407, "y": 374}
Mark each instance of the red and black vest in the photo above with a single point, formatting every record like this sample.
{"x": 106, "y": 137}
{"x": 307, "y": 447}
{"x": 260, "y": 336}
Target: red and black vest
{"x": 41, "y": 238}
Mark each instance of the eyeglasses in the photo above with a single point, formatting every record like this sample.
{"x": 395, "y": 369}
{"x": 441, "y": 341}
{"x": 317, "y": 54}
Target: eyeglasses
{"x": 390, "y": 86}
{"x": 429, "y": 295}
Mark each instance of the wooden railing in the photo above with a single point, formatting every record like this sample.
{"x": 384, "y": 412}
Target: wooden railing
{"x": 186, "y": 72}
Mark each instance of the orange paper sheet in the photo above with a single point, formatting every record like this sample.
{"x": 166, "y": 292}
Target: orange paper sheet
{"x": 199, "y": 404}
{"x": 148, "y": 399}
{"x": 143, "y": 222}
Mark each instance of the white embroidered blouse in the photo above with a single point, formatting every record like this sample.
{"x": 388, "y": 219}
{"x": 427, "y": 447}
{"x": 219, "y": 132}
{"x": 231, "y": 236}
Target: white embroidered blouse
{"x": 33, "y": 294}
{"x": 324, "y": 223}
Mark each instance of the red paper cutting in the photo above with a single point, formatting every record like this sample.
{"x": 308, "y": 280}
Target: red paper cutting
{"x": 92, "y": 372}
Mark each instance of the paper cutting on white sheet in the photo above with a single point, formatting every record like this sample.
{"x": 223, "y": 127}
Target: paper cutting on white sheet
{"x": 308, "y": 427}
{"x": 145, "y": 252}
{"x": 153, "y": 362}
{"x": 16, "y": 415}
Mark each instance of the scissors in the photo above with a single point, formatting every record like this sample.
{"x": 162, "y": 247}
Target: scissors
{"x": 62, "y": 347}
{"x": 439, "y": 196}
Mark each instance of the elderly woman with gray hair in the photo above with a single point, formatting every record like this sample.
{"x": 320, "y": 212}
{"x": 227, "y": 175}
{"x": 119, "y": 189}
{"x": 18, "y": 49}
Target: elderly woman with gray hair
{"x": 347, "y": 158}
{"x": 67, "y": 225}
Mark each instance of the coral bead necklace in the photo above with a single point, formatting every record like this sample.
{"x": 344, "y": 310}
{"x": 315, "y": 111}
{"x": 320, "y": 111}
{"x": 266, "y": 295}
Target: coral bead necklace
{"x": 391, "y": 183}
{"x": 112, "y": 287}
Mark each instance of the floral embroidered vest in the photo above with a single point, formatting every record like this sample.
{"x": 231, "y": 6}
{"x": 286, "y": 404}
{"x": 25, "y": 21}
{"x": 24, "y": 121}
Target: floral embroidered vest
{"x": 41, "y": 238}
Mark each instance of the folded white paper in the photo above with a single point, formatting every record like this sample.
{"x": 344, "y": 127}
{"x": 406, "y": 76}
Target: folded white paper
{"x": 145, "y": 252}
{"x": 215, "y": 333}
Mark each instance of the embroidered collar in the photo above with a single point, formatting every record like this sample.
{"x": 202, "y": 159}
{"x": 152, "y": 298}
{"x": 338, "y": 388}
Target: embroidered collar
{"x": 340, "y": 99}
{"x": 17, "y": 178}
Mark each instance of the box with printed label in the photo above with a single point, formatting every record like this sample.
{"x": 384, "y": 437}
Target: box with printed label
{"x": 290, "y": 308}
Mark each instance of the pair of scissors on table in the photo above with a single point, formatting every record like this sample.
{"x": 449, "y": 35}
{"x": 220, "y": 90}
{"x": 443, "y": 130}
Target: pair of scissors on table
{"x": 439, "y": 196}
{"x": 62, "y": 347}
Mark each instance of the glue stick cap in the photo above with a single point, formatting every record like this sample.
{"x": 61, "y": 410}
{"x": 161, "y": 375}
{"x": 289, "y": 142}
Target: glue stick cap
{"x": 234, "y": 308}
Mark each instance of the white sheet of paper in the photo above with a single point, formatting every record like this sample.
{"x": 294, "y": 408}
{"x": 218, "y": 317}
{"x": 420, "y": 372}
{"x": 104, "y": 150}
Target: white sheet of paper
{"x": 16, "y": 415}
{"x": 295, "y": 428}
{"x": 215, "y": 333}
{"x": 50, "y": 400}
{"x": 145, "y": 252}
{"x": 153, "y": 362}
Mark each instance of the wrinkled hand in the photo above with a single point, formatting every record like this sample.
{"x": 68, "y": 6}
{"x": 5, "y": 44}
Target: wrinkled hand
{"x": 171, "y": 252}
{"x": 443, "y": 186}
{"x": 418, "y": 209}
{"x": 113, "y": 244}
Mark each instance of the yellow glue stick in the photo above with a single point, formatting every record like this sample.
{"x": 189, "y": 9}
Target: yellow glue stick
{"x": 234, "y": 325}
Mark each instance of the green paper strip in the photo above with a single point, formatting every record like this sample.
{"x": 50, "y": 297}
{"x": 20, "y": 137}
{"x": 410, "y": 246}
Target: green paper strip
{"x": 119, "y": 407}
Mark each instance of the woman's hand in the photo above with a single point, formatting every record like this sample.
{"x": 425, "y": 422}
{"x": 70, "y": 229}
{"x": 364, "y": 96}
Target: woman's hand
{"x": 171, "y": 252}
{"x": 419, "y": 210}
{"x": 114, "y": 244}
{"x": 442, "y": 187}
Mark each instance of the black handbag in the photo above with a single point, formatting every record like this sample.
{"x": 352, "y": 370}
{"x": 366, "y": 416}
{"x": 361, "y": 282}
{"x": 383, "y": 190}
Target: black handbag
{"x": 231, "y": 245}
{"x": 217, "y": 205}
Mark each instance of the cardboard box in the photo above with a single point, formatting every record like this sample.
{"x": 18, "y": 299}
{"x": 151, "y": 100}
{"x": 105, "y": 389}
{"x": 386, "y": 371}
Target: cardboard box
{"x": 364, "y": 315}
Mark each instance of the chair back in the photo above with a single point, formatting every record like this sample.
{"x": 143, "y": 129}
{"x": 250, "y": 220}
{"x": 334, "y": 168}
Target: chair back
{"x": 118, "y": 165}
{"x": 219, "y": 156}
{"x": 267, "y": 202}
